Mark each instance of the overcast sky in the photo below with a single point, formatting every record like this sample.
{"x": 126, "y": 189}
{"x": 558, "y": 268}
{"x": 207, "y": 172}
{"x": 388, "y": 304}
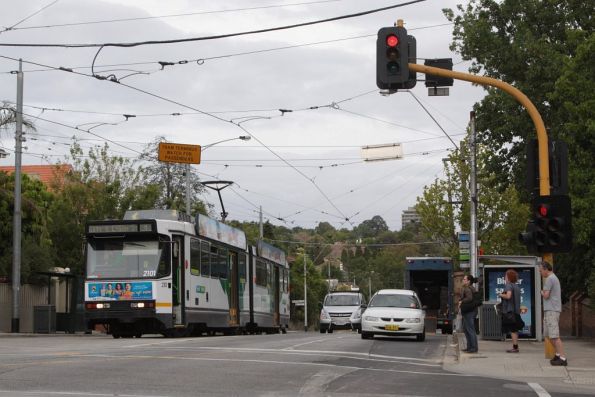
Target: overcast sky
{"x": 304, "y": 166}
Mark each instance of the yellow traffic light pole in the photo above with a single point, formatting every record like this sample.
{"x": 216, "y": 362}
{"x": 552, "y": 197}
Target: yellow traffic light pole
{"x": 542, "y": 141}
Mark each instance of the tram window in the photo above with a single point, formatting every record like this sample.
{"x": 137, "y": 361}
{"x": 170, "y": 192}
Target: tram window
{"x": 223, "y": 263}
{"x": 261, "y": 273}
{"x": 195, "y": 256}
{"x": 242, "y": 267}
{"x": 205, "y": 259}
{"x": 214, "y": 262}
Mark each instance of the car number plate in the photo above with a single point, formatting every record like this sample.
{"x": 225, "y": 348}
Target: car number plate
{"x": 391, "y": 327}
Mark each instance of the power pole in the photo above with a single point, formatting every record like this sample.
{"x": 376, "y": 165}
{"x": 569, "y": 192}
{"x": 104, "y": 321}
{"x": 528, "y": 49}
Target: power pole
{"x": 188, "y": 206}
{"x": 473, "y": 193}
{"x": 305, "y": 296}
{"x": 260, "y": 227}
{"x": 16, "y": 219}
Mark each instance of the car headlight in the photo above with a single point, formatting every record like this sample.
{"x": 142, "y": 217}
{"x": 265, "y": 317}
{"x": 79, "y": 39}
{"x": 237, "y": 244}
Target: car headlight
{"x": 324, "y": 315}
{"x": 413, "y": 320}
{"x": 356, "y": 315}
{"x": 370, "y": 318}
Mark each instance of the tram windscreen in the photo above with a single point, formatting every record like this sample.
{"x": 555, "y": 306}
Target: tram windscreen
{"x": 109, "y": 258}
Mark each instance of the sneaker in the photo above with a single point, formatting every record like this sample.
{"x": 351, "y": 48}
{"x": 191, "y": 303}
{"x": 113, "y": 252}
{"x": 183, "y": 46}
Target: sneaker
{"x": 556, "y": 358}
{"x": 513, "y": 350}
{"x": 559, "y": 362}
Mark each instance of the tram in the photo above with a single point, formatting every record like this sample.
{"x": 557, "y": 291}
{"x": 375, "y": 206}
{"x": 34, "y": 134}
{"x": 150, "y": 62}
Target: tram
{"x": 160, "y": 271}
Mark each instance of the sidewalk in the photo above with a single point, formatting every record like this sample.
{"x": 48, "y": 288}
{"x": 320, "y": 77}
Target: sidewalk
{"x": 528, "y": 366}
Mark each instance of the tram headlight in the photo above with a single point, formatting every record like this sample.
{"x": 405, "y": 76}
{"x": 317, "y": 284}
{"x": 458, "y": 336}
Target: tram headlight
{"x": 138, "y": 305}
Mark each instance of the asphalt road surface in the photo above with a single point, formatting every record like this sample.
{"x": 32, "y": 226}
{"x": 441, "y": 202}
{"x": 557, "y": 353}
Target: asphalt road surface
{"x": 295, "y": 364}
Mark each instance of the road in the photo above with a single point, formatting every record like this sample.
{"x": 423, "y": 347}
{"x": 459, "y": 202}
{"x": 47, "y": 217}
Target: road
{"x": 295, "y": 364}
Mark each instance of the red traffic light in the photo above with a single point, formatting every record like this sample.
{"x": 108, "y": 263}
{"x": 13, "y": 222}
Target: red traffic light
{"x": 392, "y": 40}
{"x": 542, "y": 210}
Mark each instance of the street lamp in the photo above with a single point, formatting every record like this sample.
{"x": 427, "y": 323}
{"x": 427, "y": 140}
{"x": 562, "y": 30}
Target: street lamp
{"x": 203, "y": 148}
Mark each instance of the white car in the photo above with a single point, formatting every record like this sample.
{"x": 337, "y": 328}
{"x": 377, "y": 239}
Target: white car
{"x": 394, "y": 312}
{"x": 337, "y": 310}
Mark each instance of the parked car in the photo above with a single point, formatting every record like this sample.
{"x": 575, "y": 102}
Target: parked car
{"x": 337, "y": 309}
{"x": 356, "y": 319}
{"x": 394, "y": 312}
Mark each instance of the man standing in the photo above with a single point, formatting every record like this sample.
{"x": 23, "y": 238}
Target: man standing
{"x": 552, "y": 306}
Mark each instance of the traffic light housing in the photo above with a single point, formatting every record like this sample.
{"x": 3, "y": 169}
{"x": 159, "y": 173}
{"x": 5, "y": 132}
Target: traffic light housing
{"x": 550, "y": 229}
{"x": 392, "y": 58}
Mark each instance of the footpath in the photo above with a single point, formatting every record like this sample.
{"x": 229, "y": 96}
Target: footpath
{"x": 528, "y": 366}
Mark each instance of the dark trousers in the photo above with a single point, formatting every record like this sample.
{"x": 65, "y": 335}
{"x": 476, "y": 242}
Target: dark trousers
{"x": 469, "y": 329}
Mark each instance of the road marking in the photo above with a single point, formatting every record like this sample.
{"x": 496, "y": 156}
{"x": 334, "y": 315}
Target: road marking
{"x": 326, "y": 353}
{"x": 305, "y": 343}
{"x": 69, "y": 393}
{"x": 236, "y": 360}
{"x": 541, "y": 392}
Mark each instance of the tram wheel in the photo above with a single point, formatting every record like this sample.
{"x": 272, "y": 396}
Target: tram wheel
{"x": 116, "y": 336}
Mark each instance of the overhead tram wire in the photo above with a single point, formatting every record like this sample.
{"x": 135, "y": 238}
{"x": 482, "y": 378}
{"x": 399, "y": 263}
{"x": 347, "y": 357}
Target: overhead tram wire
{"x": 171, "y": 15}
{"x": 198, "y": 61}
{"x": 214, "y": 37}
{"x": 13, "y": 27}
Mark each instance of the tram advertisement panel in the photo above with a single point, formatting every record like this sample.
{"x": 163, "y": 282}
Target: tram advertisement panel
{"x": 120, "y": 290}
{"x": 495, "y": 285}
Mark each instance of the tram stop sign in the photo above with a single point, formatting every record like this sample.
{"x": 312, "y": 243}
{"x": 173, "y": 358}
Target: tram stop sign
{"x": 179, "y": 153}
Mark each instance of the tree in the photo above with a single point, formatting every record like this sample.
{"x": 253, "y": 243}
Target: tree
{"x": 372, "y": 227}
{"x": 100, "y": 186}
{"x": 36, "y": 248}
{"x": 545, "y": 49}
{"x": 316, "y": 287}
{"x": 500, "y": 214}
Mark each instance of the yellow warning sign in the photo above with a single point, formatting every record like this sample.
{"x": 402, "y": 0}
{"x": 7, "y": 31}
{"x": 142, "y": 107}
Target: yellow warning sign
{"x": 179, "y": 153}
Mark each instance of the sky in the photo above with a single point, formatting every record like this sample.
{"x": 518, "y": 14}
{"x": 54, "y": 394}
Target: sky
{"x": 302, "y": 165}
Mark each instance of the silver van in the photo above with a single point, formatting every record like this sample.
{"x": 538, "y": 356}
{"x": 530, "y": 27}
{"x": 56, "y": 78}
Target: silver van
{"x": 337, "y": 309}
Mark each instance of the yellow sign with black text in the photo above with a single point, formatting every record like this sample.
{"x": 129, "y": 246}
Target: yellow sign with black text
{"x": 179, "y": 153}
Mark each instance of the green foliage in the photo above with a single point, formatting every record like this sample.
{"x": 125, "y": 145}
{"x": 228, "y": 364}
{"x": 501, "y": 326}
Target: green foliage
{"x": 316, "y": 288}
{"x": 545, "y": 49}
{"x": 37, "y": 253}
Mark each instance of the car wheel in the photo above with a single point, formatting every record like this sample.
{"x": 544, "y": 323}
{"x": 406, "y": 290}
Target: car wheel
{"x": 367, "y": 335}
{"x": 330, "y": 330}
{"x": 421, "y": 337}
{"x": 322, "y": 330}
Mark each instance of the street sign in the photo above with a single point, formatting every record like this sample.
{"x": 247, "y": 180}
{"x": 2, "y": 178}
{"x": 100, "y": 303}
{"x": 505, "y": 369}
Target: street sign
{"x": 179, "y": 153}
{"x": 298, "y": 302}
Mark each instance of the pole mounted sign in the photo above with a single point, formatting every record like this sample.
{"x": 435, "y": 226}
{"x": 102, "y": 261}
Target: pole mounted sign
{"x": 179, "y": 153}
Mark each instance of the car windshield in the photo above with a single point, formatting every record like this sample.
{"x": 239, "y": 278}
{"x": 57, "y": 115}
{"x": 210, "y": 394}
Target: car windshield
{"x": 403, "y": 301}
{"x": 342, "y": 300}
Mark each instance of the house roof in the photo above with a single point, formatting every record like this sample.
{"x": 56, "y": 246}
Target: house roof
{"x": 43, "y": 173}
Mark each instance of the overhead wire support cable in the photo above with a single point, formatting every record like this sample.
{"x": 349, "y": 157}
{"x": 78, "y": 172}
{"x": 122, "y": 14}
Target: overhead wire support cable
{"x": 214, "y": 37}
{"x": 432, "y": 117}
{"x": 13, "y": 27}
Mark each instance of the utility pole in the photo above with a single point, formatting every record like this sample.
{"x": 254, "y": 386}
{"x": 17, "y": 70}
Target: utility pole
{"x": 188, "y": 189}
{"x": 473, "y": 193}
{"x": 260, "y": 227}
{"x": 16, "y": 218}
{"x": 305, "y": 295}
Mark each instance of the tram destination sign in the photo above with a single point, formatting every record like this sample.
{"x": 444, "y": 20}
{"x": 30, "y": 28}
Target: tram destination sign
{"x": 179, "y": 153}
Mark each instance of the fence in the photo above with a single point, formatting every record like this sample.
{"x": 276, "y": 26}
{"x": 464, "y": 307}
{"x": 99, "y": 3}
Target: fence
{"x": 29, "y": 297}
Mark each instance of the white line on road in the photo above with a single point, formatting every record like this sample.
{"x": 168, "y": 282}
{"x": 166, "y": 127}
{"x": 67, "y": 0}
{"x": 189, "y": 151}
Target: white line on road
{"x": 541, "y": 392}
{"x": 305, "y": 343}
{"x": 68, "y": 393}
{"x": 237, "y": 360}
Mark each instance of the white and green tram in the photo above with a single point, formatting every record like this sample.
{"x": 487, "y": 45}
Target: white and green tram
{"x": 159, "y": 271}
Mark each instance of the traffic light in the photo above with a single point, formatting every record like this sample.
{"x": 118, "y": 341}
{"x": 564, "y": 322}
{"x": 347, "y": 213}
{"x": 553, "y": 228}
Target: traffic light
{"x": 392, "y": 57}
{"x": 550, "y": 229}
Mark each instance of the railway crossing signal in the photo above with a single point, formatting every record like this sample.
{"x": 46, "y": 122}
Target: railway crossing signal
{"x": 550, "y": 229}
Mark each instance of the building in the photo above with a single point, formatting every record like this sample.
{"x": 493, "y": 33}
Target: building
{"x": 410, "y": 216}
{"x": 46, "y": 174}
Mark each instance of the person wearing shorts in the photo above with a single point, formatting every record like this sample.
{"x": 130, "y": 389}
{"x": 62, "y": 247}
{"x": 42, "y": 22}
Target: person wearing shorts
{"x": 552, "y": 306}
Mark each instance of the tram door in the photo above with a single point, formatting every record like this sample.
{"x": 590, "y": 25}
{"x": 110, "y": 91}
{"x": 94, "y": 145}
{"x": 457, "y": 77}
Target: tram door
{"x": 276, "y": 296}
{"x": 178, "y": 261}
{"x": 234, "y": 312}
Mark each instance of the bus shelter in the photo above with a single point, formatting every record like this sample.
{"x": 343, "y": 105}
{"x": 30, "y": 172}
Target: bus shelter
{"x": 493, "y": 269}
